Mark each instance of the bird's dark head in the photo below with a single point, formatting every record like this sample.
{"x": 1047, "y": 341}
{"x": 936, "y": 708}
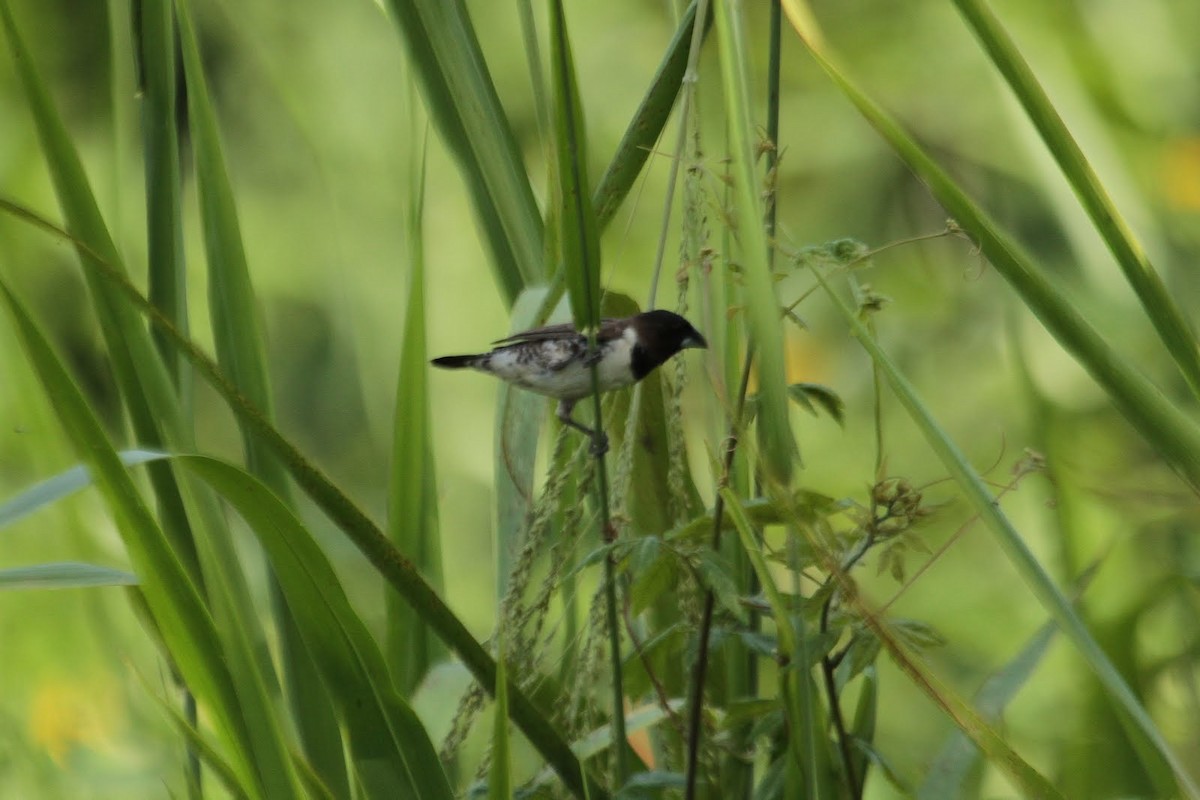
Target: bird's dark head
{"x": 661, "y": 334}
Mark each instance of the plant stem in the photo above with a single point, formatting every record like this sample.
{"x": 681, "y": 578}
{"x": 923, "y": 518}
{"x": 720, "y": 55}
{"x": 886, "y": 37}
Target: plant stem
{"x": 700, "y": 667}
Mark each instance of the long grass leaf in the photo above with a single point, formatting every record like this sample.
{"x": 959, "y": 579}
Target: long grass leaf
{"x": 392, "y": 752}
{"x": 647, "y": 122}
{"x": 1031, "y": 571}
{"x": 1176, "y": 332}
{"x": 462, "y": 101}
{"x": 775, "y": 440}
{"x": 239, "y": 343}
{"x": 64, "y": 575}
{"x": 143, "y": 381}
{"x": 949, "y": 773}
{"x": 172, "y": 597}
{"x": 412, "y": 491}
{"x": 796, "y": 684}
{"x": 53, "y": 489}
{"x": 579, "y": 236}
{"x": 500, "y": 785}
{"x": 399, "y": 572}
{"x": 167, "y": 278}
{"x": 1175, "y": 435}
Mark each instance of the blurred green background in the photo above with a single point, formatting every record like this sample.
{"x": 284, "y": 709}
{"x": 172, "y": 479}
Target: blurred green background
{"x": 312, "y": 100}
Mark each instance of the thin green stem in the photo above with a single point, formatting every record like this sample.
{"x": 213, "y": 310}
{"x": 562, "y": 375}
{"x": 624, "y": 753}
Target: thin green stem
{"x": 700, "y": 666}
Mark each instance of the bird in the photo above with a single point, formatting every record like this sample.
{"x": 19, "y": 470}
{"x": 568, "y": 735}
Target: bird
{"x": 556, "y": 361}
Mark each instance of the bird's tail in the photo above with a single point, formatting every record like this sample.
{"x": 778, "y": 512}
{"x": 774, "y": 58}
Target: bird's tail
{"x": 456, "y": 362}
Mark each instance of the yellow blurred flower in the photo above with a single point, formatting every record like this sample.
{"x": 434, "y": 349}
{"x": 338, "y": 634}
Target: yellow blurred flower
{"x": 1181, "y": 173}
{"x": 64, "y": 714}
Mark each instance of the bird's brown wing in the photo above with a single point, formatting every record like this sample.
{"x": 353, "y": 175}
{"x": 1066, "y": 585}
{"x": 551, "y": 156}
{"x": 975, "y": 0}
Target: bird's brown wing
{"x": 609, "y": 329}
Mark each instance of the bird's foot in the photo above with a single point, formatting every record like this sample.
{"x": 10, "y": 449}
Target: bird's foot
{"x": 599, "y": 444}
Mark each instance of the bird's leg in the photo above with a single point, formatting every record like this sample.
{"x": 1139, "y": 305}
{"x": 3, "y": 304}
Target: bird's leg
{"x": 598, "y": 437}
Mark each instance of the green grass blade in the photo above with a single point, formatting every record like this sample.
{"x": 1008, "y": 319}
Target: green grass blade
{"x": 1163, "y": 311}
{"x": 1040, "y": 583}
{"x": 579, "y": 235}
{"x": 648, "y": 121}
{"x": 776, "y": 443}
{"x": 950, "y": 771}
{"x": 157, "y": 74}
{"x": 500, "y": 784}
{"x": 519, "y": 419}
{"x": 358, "y": 527}
{"x": 172, "y": 597}
{"x": 1171, "y": 432}
{"x": 64, "y": 575}
{"x": 391, "y": 750}
{"x": 412, "y": 490}
{"x": 796, "y": 683}
{"x": 462, "y": 101}
{"x": 52, "y": 490}
{"x": 144, "y": 384}
{"x": 239, "y": 343}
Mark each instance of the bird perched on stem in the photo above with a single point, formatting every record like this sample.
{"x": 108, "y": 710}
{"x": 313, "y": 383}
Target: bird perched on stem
{"x": 556, "y": 360}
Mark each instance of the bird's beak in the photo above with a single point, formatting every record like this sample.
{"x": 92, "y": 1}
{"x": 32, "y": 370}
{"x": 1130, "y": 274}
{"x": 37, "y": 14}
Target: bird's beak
{"x": 695, "y": 341}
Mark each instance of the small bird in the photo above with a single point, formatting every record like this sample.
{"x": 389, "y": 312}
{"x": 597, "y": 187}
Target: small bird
{"x": 555, "y": 360}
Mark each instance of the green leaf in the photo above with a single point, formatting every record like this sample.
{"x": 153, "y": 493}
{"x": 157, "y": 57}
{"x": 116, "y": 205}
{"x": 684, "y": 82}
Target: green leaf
{"x": 157, "y": 73}
{"x": 400, "y": 574}
{"x": 391, "y": 750}
{"x": 52, "y": 490}
{"x": 775, "y": 441}
{"x": 462, "y": 101}
{"x": 500, "y": 784}
{"x": 985, "y": 505}
{"x": 412, "y": 517}
{"x": 579, "y": 237}
{"x": 172, "y": 597}
{"x": 648, "y": 121}
{"x": 64, "y": 575}
{"x": 811, "y": 395}
{"x": 949, "y": 773}
{"x": 1169, "y": 320}
{"x": 237, "y": 334}
{"x": 519, "y": 419}
{"x": 717, "y": 576}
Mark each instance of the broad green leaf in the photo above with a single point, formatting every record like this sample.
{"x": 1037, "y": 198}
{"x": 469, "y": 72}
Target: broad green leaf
{"x": 648, "y": 121}
{"x": 776, "y": 443}
{"x": 519, "y": 419}
{"x": 64, "y": 575}
{"x": 391, "y": 750}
